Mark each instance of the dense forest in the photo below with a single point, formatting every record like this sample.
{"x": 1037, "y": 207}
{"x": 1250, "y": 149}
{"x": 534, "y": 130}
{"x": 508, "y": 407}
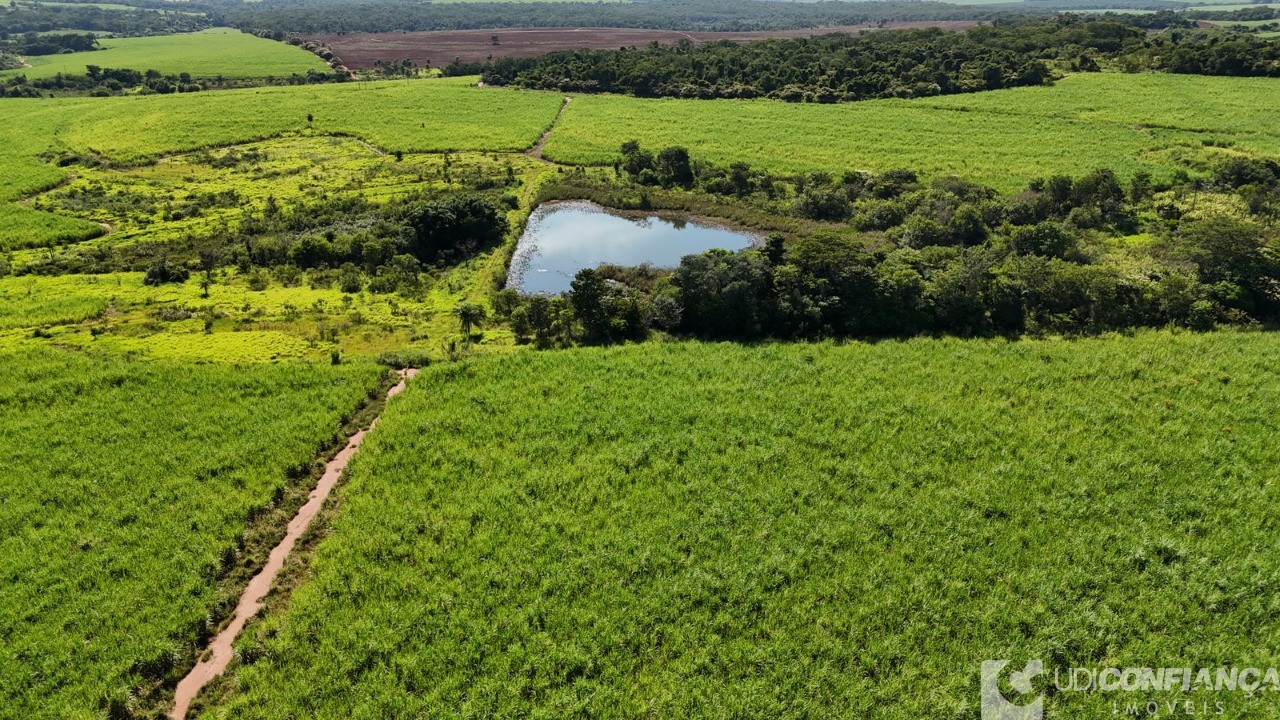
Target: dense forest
{"x": 1261, "y": 12}
{"x": 941, "y": 257}
{"x": 894, "y": 63}
{"x": 18, "y": 19}
{"x": 832, "y": 68}
{"x": 48, "y": 43}
{"x": 312, "y": 17}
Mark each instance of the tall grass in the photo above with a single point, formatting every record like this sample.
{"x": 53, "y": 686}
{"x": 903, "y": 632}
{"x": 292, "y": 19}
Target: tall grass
{"x": 127, "y": 491}
{"x": 1128, "y": 123}
{"x": 716, "y": 531}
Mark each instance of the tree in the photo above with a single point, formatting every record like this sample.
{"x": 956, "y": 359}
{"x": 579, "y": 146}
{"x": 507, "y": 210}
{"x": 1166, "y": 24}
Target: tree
{"x": 636, "y": 161}
{"x": 349, "y": 279}
{"x": 1230, "y": 252}
{"x": 724, "y": 294}
{"x": 1048, "y": 238}
{"x": 505, "y": 303}
{"x": 675, "y": 168}
{"x": 469, "y": 315}
{"x": 208, "y": 261}
{"x": 540, "y": 315}
{"x": 454, "y": 228}
{"x": 823, "y": 204}
{"x": 165, "y": 272}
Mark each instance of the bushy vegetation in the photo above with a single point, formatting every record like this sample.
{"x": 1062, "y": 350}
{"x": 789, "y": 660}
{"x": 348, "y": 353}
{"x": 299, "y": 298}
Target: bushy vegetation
{"x": 686, "y": 530}
{"x": 356, "y": 207}
{"x": 105, "y": 82}
{"x": 49, "y": 43}
{"x": 130, "y": 492}
{"x": 836, "y": 68}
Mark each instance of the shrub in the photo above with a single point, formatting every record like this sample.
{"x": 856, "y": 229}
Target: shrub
{"x": 165, "y": 272}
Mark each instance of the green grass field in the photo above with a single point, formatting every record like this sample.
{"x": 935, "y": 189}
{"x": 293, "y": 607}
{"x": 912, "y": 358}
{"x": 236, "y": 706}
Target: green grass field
{"x": 1128, "y": 123}
{"x": 126, "y": 490}
{"x": 849, "y": 532}
{"x": 211, "y": 53}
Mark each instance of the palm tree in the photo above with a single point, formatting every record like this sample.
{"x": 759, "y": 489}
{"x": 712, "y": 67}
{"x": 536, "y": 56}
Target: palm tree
{"x": 469, "y": 315}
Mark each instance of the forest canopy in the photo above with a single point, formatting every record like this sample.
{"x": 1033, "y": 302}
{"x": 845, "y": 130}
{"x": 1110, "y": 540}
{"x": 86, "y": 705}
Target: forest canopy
{"x": 892, "y": 63}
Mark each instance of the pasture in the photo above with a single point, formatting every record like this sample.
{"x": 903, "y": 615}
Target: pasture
{"x": 219, "y": 52}
{"x": 127, "y": 502}
{"x": 850, "y": 531}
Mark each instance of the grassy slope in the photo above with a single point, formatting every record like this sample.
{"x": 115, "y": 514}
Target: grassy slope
{"x": 210, "y": 53}
{"x": 789, "y": 531}
{"x": 1125, "y": 122}
{"x": 431, "y": 115}
{"x": 123, "y": 485}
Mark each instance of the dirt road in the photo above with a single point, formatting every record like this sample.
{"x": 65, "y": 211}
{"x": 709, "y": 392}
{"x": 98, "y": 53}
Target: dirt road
{"x": 216, "y": 658}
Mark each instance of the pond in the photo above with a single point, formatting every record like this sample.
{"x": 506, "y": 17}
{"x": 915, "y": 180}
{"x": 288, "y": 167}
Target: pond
{"x": 565, "y": 237}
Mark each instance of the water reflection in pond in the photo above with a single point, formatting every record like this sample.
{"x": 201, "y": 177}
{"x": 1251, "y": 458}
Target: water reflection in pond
{"x": 563, "y": 238}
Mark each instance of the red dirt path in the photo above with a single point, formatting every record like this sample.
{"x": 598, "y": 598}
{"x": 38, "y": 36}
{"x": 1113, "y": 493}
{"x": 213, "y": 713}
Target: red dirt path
{"x": 220, "y": 651}
{"x": 437, "y": 49}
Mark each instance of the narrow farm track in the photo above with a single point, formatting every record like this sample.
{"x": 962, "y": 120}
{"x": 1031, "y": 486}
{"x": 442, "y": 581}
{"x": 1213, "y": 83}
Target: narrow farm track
{"x": 215, "y": 659}
{"x": 535, "y": 152}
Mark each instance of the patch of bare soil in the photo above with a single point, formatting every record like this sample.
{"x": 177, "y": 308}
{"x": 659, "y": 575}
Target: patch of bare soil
{"x": 439, "y": 48}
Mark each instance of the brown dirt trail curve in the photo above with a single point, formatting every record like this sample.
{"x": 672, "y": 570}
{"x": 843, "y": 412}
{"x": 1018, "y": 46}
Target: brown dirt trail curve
{"x": 215, "y": 660}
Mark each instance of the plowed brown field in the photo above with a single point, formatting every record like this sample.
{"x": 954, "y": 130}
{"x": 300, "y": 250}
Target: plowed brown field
{"x": 436, "y": 49}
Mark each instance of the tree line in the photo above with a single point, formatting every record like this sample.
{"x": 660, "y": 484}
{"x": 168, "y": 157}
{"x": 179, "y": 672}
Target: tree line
{"x": 18, "y": 19}
{"x": 335, "y": 16}
{"x": 104, "y": 82}
{"x": 48, "y": 44}
{"x": 899, "y": 63}
{"x": 831, "y": 68}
